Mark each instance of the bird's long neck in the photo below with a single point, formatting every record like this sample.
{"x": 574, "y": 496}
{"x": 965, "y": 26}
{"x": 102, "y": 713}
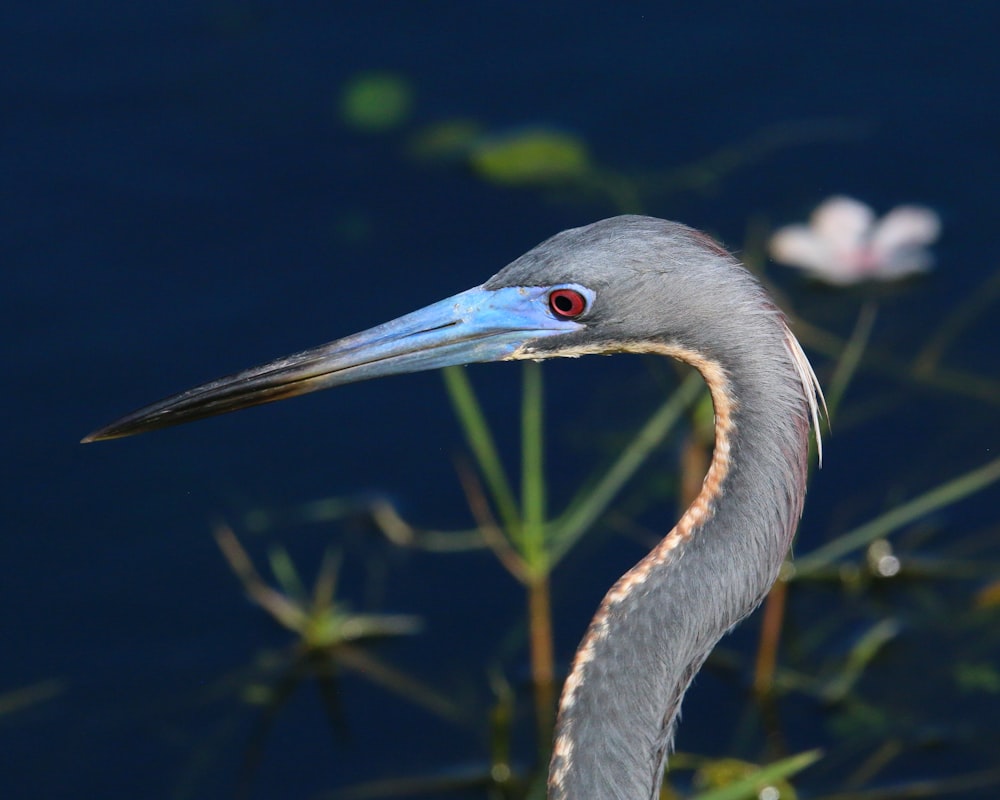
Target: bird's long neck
{"x": 658, "y": 623}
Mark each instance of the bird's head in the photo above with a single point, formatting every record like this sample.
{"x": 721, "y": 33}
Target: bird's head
{"x": 605, "y": 287}
{"x": 632, "y": 281}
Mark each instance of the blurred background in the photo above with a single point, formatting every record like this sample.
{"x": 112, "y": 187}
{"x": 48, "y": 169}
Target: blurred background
{"x": 193, "y": 188}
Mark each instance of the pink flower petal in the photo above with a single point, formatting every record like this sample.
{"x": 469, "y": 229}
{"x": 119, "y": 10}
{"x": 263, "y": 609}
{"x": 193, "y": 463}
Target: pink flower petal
{"x": 843, "y": 244}
{"x": 798, "y": 246}
{"x": 843, "y": 222}
{"x": 906, "y": 227}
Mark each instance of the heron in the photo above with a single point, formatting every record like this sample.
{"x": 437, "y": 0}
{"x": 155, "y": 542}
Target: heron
{"x": 631, "y": 284}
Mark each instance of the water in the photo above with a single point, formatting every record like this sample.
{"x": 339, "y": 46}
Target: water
{"x": 182, "y": 200}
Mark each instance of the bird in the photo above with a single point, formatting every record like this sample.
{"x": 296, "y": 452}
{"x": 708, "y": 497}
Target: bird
{"x": 632, "y": 284}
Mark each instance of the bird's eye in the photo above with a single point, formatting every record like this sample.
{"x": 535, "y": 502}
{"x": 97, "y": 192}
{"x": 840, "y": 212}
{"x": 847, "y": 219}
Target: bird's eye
{"x": 567, "y": 303}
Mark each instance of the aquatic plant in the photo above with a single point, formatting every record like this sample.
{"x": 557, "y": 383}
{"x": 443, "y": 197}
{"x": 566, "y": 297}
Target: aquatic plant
{"x": 376, "y": 101}
{"x": 844, "y": 243}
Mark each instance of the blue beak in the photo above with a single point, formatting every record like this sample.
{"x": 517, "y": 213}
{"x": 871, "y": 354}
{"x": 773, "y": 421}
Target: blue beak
{"x": 476, "y": 325}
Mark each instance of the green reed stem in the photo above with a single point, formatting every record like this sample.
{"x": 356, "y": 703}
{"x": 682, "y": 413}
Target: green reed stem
{"x": 880, "y": 527}
{"x": 864, "y": 651}
{"x": 850, "y": 358}
{"x": 533, "y": 470}
{"x": 750, "y": 785}
{"x": 590, "y": 503}
{"x": 480, "y": 441}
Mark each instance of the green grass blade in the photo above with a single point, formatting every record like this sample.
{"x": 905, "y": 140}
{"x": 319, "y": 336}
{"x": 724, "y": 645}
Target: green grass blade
{"x": 285, "y": 573}
{"x": 880, "y": 527}
{"x": 533, "y": 468}
{"x": 864, "y": 651}
{"x": 748, "y": 788}
{"x": 850, "y": 358}
{"x": 480, "y": 441}
{"x": 588, "y": 505}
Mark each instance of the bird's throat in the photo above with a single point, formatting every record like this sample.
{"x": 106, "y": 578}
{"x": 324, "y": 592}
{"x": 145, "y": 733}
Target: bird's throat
{"x": 657, "y": 624}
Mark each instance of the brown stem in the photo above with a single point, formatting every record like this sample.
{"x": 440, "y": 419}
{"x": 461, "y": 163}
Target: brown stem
{"x": 770, "y": 637}
{"x": 489, "y": 528}
{"x": 542, "y": 658}
{"x": 695, "y": 458}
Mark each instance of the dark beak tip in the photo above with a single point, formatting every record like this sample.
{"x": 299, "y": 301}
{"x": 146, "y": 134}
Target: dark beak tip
{"x": 106, "y": 434}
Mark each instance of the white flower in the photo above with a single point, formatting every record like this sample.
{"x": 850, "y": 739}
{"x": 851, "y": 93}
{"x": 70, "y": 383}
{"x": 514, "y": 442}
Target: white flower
{"x": 844, "y": 243}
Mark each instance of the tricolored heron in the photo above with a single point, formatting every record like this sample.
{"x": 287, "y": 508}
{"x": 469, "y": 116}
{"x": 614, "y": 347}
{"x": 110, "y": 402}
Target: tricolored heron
{"x": 627, "y": 284}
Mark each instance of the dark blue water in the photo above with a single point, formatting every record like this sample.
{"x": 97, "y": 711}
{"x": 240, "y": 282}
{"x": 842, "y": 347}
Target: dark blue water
{"x": 177, "y": 183}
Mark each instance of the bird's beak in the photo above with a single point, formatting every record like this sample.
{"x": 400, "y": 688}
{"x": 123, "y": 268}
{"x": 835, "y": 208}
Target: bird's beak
{"x": 476, "y": 325}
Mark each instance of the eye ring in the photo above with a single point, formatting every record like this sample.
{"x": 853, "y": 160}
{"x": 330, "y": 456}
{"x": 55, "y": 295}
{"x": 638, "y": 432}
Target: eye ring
{"x": 567, "y": 303}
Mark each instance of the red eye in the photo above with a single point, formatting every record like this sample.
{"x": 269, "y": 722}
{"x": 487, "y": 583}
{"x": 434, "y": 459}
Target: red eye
{"x": 567, "y": 303}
